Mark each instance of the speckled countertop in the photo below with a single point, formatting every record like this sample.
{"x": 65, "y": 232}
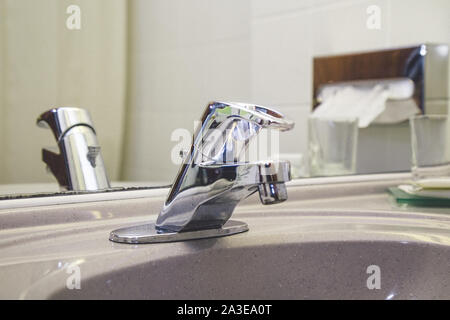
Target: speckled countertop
{"x": 318, "y": 244}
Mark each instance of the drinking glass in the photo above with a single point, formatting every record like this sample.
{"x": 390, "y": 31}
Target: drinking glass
{"x": 430, "y": 146}
{"x": 332, "y": 146}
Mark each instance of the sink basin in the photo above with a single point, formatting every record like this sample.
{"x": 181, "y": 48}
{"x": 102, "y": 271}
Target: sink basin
{"x": 317, "y": 245}
{"x": 327, "y": 270}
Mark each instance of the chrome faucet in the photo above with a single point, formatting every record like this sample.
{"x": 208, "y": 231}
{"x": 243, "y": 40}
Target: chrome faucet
{"x": 213, "y": 178}
{"x": 79, "y": 164}
{"x": 212, "y": 181}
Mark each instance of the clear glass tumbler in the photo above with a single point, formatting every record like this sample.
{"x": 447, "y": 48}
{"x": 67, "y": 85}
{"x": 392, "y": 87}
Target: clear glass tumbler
{"x": 332, "y": 146}
{"x": 430, "y": 146}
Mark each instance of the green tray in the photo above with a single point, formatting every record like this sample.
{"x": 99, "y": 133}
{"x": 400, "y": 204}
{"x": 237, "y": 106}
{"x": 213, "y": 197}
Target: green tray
{"x": 420, "y": 201}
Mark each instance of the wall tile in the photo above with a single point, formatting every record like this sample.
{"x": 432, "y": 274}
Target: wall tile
{"x": 229, "y": 19}
{"x": 228, "y": 71}
{"x": 281, "y": 60}
{"x": 148, "y": 157}
{"x": 295, "y": 140}
{"x": 414, "y": 22}
{"x": 264, "y": 8}
{"x": 341, "y": 28}
{"x": 169, "y": 24}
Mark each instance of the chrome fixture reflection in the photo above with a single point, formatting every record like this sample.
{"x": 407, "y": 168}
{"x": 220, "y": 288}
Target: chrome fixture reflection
{"x": 213, "y": 179}
{"x": 79, "y": 164}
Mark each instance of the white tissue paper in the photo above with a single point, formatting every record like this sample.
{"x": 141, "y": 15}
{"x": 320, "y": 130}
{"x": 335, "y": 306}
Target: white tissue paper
{"x": 378, "y": 103}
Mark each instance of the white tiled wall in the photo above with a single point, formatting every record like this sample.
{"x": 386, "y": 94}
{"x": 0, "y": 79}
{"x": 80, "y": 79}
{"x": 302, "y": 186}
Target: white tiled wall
{"x": 186, "y": 53}
{"x": 183, "y": 54}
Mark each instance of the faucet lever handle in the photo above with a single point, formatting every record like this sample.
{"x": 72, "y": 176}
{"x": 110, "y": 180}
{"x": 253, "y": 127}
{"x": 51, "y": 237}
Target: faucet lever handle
{"x": 55, "y": 163}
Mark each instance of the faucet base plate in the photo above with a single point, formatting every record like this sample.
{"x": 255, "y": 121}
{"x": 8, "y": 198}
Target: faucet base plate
{"x": 147, "y": 233}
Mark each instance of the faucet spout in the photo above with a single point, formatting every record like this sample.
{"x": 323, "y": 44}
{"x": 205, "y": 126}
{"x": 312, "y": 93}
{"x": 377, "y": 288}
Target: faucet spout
{"x": 79, "y": 164}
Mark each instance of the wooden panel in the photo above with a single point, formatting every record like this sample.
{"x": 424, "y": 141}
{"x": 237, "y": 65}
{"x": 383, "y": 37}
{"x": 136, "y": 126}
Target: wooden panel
{"x": 386, "y": 64}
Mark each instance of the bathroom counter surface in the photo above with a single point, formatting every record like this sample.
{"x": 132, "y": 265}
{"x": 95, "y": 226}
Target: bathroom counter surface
{"x": 42, "y": 248}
